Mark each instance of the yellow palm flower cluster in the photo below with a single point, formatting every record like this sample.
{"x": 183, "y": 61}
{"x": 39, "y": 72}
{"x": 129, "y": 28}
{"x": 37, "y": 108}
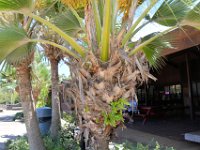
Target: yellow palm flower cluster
{"x": 124, "y": 6}
{"x": 39, "y": 4}
{"x": 76, "y": 4}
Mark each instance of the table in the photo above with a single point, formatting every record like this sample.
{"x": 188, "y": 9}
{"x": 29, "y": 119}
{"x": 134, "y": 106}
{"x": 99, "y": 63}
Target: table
{"x": 146, "y": 112}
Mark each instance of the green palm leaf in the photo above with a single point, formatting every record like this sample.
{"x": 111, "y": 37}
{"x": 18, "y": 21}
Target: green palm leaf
{"x": 97, "y": 20}
{"x": 16, "y": 5}
{"x": 68, "y": 23}
{"x": 105, "y": 41}
{"x": 15, "y": 45}
{"x": 172, "y": 12}
{"x": 11, "y": 38}
{"x": 145, "y": 12}
{"x": 193, "y": 17}
{"x": 25, "y": 7}
{"x": 20, "y": 53}
{"x": 154, "y": 49}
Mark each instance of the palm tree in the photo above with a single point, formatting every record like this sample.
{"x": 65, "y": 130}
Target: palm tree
{"x": 54, "y": 55}
{"x": 25, "y": 91}
{"x": 107, "y": 60}
{"x": 54, "y": 58}
{"x": 20, "y": 58}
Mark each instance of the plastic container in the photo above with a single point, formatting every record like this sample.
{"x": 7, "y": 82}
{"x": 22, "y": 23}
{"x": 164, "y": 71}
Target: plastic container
{"x": 44, "y": 118}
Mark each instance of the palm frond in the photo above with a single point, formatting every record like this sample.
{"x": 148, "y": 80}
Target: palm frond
{"x": 129, "y": 33}
{"x": 24, "y": 6}
{"x": 43, "y": 4}
{"x": 62, "y": 48}
{"x": 97, "y": 20}
{"x": 193, "y": 17}
{"x": 65, "y": 36}
{"x": 68, "y": 23}
{"x": 154, "y": 49}
{"x": 101, "y": 10}
{"x": 11, "y": 38}
{"x": 78, "y": 15}
{"x": 105, "y": 41}
{"x": 7, "y": 18}
{"x": 172, "y": 12}
{"x": 19, "y": 54}
{"x": 150, "y": 40}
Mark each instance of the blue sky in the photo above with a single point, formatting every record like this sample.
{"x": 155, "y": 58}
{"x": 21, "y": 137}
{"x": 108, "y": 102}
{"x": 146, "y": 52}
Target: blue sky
{"x": 63, "y": 69}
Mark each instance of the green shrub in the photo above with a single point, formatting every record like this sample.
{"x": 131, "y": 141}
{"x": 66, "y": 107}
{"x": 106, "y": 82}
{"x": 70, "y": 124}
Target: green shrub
{"x": 21, "y": 143}
{"x": 65, "y": 140}
{"x": 18, "y": 116}
{"x": 43, "y": 98}
{"x": 115, "y": 116}
{"x": 7, "y": 97}
{"x": 139, "y": 146}
{"x": 69, "y": 118}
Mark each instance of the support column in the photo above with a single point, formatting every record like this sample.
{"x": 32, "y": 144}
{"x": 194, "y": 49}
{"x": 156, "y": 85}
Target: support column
{"x": 190, "y": 98}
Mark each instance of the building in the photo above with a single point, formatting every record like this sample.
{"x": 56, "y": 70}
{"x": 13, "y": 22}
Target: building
{"x": 178, "y": 84}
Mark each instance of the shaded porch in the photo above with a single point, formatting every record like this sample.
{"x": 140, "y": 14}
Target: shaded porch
{"x": 177, "y": 90}
{"x": 172, "y": 128}
{"x": 174, "y": 98}
{"x": 150, "y": 133}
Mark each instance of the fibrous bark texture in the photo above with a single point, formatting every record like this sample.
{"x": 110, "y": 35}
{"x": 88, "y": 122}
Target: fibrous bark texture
{"x": 31, "y": 122}
{"x": 95, "y": 85}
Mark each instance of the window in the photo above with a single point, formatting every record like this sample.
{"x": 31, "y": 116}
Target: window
{"x": 172, "y": 92}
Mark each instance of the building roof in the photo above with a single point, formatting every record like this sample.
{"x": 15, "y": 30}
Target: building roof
{"x": 185, "y": 38}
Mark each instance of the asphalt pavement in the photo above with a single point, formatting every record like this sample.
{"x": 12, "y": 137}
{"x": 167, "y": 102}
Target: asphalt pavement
{"x": 10, "y": 129}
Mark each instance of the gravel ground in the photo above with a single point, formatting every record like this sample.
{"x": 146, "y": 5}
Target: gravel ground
{"x": 9, "y": 129}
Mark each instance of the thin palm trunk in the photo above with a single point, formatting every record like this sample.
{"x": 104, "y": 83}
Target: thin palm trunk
{"x": 33, "y": 132}
{"x": 55, "y": 122}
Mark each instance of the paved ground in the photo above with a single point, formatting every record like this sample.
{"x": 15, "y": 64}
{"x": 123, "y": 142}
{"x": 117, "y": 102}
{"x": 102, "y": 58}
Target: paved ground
{"x": 9, "y": 129}
{"x": 169, "y": 127}
{"x": 167, "y": 131}
{"x": 132, "y": 135}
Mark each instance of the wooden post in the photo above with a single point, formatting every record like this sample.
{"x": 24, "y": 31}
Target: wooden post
{"x": 192, "y": 116}
{"x": 146, "y": 96}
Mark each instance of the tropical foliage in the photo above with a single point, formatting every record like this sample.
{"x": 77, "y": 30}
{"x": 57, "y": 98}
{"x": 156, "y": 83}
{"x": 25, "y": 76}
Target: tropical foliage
{"x": 106, "y": 59}
{"x": 41, "y": 80}
{"x": 21, "y": 58}
{"x": 8, "y": 84}
{"x": 64, "y": 141}
{"x": 8, "y": 96}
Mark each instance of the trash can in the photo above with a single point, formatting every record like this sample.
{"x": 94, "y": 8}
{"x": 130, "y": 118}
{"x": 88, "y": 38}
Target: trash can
{"x": 44, "y": 118}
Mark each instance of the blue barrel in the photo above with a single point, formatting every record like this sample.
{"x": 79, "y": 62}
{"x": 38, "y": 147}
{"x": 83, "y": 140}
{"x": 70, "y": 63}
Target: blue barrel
{"x": 44, "y": 118}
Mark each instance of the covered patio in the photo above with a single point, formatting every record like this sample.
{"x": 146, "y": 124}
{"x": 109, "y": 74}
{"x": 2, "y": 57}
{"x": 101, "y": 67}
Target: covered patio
{"x": 177, "y": 89}
{"x": 170, "y": 107}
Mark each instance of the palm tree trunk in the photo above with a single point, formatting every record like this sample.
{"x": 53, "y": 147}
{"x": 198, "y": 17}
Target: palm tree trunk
{"x": 33, "y": 132}
{"x": 55, "y": 122}
{"x": 96, "y": 88}
{"x": 100, "y": 140}
{"x": 102, "y": 143}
